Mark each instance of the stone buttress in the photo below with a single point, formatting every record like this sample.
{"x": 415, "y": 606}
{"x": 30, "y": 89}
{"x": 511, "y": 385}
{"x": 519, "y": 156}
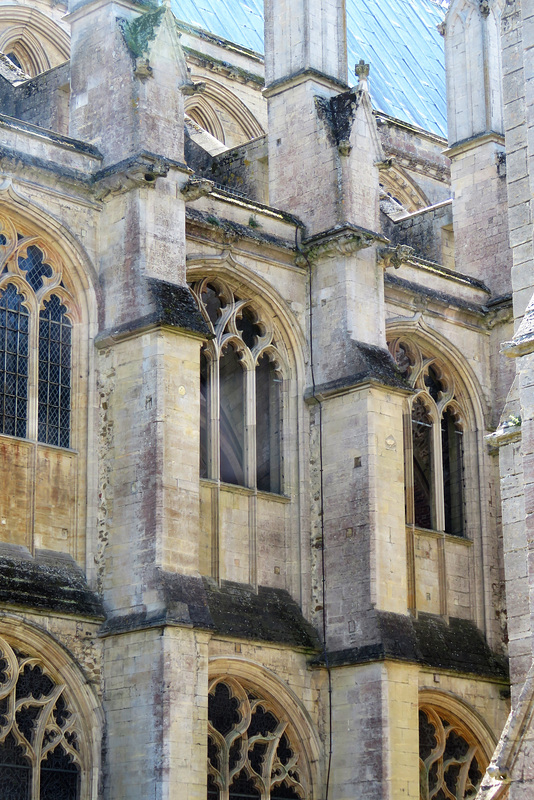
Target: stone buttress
{"x": 324, "y": 154}
{"x": 128, "y": 77}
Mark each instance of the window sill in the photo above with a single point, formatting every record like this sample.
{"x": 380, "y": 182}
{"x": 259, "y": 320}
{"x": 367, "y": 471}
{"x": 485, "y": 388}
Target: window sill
{"x": 245, "y": 490}
{"x": 440, "y": 535}
{"x": 39, "y": 444}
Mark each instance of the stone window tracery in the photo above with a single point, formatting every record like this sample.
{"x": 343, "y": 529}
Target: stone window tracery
{"x": 252, "y": 750}
{"x": 35, "y": 341}
{"x": 451, "y": 761}
{"x": 241, "y": 380}
{"x": 40, "y": 754}
{"x": 434, "y": 464}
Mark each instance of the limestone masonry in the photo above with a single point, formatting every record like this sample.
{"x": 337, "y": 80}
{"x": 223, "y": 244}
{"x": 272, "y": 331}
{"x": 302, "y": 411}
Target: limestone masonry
{"x": 266, "y": 401}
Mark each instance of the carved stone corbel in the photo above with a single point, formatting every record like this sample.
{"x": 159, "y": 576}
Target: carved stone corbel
{"x": 394, "y": 256}
{"x": 195, "y": 188}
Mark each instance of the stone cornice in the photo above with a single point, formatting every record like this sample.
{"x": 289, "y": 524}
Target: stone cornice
{"x": 464, "y": 146}
{"x": 289, "y": 81}
{"x": 345, "y": 240}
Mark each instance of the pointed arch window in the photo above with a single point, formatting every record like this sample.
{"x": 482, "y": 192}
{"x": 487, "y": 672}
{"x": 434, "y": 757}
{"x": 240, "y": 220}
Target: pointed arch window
{"x": 40, "y": 753}
{"x": 242, "y": 372}
{"x": 252, "y": 747}
{"x": 434, "y": 464}
{"x": 35, "y": 342}
{"x": 451, "y": 761}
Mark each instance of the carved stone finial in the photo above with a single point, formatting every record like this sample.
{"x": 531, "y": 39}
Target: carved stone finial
{"x": 484, "y": 8}
{"x": 362, "y": 71}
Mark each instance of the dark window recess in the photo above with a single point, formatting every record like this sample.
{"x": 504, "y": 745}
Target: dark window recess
{"x": 55, "y": 334}
{"x": 433, "y": 384}
{"x": 243, "y": 788}
{"x": 453, "y": 474}
{"x": 232, "y": 417}
{"x": 14, "y": 351}
{"x": 422, "y": 466}
{"x": 204, "y": 427}
{"x": 12, "y": 57}
{"x": 213, "y": 303}
{"x": 247, "y": 325}
{"x": 268, "y": 425}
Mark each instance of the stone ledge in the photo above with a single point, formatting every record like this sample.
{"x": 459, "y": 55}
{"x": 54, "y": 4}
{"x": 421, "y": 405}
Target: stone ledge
{"x": 458, "y": 646}
{"x": 230, "y": 609}
{"x": 49, "y": 581}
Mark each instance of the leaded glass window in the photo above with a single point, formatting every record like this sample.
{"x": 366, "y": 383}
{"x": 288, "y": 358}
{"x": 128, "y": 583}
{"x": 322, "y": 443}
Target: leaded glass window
{"x": 35, "y": 341}
{"x": 451, "y": 761}
{"x": 40, "y": 754}
{"x": 434, "y": 467}
{"x": 252, "y": 751}
{"x": 54, "y": 373}
{"x": 242, "y": 372}
{"x": 14, "y": 351}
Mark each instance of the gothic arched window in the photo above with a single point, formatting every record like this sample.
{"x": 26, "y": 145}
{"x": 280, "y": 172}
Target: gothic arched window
{"x": 241, "y": 385}
{"x": 252, "y": 749}
{"x": 451, "y": 761}
{"x": 434, "y": 464}
{"x": 40, "y": 754}
{"x": 35, "y": 342}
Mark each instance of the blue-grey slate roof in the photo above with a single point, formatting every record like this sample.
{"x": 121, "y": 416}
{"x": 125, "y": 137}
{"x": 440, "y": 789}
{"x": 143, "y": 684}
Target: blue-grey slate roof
{"x": 398, "y": 38}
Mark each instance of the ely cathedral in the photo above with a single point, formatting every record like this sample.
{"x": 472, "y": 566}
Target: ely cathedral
{"x": 267, "y": 400}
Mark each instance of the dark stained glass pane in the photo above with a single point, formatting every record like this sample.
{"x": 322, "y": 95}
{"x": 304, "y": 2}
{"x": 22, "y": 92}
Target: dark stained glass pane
{"x": 453, "y": 476}
{"x": 204, "y": 430}
{"x": 247, "y": 325}
{"x": 213, "y": 303}
{"x": 267, "y": 426}
{"x": 243, "y": 788}
{"x": 222, "y": 709}
{"x": 35, "y": 268}
{"x": 14, "y": 327}
{"x": 54, "y": 374}
{"x": 213, "y": 789}
{"x": 284, "y": 792}
{"x": 15, "y": 771}
{"x": 232, "y": 413}
{"x": 422, "y": 466}
{"x": 60, "y": 776}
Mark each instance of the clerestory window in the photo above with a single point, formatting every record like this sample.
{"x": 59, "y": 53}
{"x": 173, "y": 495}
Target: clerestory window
{"x": 434, "y": 463}
{"x": 40, "y": 754}
{"x": 241, "y": 380}
{"x": 252, "y": 754}
{"x": 35, "y": 342}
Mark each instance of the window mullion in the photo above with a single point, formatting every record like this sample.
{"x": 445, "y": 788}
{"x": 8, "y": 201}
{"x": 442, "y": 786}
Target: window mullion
{"x": 33, "y": 375}
{"x": 250, "y": 428}
{"x": 408, "y": 468}
{"x": 214, "y": 420}
{"x": 439, "y": 501}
